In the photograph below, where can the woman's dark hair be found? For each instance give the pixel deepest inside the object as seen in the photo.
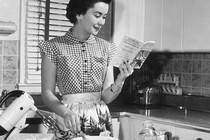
(78, 7)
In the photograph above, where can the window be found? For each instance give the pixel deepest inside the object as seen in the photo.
(40, 20)
(43, 20)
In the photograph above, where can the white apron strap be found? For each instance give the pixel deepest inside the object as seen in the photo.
(82, 97)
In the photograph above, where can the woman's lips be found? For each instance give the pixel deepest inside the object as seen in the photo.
(96, 28)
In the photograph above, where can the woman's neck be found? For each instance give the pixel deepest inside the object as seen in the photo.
(80, 34)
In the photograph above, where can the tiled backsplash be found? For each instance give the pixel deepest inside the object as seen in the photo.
(193, 70)
(9, 64)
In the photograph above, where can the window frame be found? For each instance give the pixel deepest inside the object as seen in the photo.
(24, 84)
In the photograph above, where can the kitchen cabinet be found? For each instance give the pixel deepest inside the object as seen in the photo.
(131, 125)
(172, 25)
(185, 26)
(163, 24)
(116, 125)
(128, 19)
(125, 132)
(153, 22)
(196, 25)
(189, 134)
(175, 25)
(137, 126)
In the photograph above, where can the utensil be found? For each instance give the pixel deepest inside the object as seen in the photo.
(50, 123)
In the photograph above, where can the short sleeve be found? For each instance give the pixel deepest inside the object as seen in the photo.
(112, 50)
(49, 49)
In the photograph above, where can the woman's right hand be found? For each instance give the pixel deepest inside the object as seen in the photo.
(72, 122)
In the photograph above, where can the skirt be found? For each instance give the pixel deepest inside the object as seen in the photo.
(94, 115)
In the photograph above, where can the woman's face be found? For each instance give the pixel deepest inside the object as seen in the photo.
(94, 19)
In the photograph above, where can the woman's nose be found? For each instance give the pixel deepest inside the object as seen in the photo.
(101, 21)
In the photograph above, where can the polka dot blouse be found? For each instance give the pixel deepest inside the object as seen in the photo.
(80, 66)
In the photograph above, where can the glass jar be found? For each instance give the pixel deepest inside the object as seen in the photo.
(148, 132)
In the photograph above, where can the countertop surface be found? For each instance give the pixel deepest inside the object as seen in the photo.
(188, 118)
(171, 115)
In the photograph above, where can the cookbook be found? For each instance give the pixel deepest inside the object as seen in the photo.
(133, 50)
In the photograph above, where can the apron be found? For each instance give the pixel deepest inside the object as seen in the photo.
(94, 115)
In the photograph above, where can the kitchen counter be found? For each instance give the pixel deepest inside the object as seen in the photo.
(171, 115)
(175, 116)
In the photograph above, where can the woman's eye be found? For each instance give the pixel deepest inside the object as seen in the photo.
(97, 15)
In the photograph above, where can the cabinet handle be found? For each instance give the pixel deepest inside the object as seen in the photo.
(199, 139)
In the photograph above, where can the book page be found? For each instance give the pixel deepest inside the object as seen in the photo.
(142, 55)
(133, 50)
(126, 50)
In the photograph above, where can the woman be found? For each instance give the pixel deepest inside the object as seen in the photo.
(78, 63)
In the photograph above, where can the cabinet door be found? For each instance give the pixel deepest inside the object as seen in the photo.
(196, 25)
(153, 22)
(163, 24)
(188, 134)
(172, 25)
(137, 126)
(116, 127)
(128, 19)
(126, 129)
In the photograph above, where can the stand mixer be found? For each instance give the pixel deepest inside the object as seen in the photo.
(12, 120)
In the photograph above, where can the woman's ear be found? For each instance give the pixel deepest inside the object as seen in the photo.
(79, 16)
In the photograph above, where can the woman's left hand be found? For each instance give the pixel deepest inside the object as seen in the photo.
(125, 70)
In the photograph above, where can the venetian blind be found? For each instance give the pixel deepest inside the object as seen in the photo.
(45, 19)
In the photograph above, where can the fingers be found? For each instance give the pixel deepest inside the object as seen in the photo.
(126, 69)
(72, 122)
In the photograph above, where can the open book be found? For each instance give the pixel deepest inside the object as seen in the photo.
(133, 50)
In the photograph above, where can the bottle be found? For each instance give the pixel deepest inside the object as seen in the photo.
(148, 132)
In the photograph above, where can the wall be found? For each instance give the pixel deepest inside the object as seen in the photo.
(9, 68)
(9, 46)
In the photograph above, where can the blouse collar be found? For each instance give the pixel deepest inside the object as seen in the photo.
(74, 40)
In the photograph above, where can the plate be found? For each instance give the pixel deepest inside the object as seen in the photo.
(96, 138)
